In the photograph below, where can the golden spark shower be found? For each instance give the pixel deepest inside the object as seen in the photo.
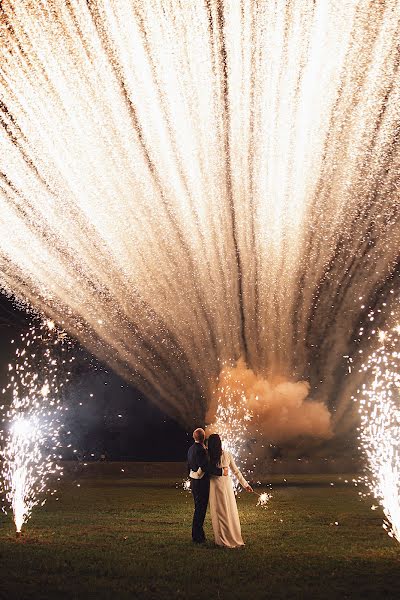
(202, 191)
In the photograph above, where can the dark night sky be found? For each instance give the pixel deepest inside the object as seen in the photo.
(142, 432)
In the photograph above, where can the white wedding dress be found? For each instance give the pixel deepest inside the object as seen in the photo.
(224, 512)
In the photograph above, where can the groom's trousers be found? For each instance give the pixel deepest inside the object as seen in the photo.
(201, 491)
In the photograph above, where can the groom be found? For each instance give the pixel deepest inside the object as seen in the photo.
(199, 472)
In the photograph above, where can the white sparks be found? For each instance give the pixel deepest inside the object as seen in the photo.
(45, 390)
(379, 407)
(186, 485)
(263, 499)
(382, 336)
(184, 183)
(30, 439)
(231, 420)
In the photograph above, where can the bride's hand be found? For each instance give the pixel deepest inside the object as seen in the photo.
(225, 471)
(248, 488)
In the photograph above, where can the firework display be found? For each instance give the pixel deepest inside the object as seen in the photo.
(203, 182)
(30, 434)
(379, 433)
(205, 195)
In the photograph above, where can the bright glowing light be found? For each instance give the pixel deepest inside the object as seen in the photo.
(30, 439)
(231, 417)
(263, 499)
(231, 420)
(231, 424)
(379, 407)
(45, 390)
(382, 336)
(187, 183)
(22, 427)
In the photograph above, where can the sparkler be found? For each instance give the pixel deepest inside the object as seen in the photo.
(30, 439)
(186, 485)
(379, 407)
(263, 498)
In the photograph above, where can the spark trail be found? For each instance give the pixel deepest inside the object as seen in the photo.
(188, 184)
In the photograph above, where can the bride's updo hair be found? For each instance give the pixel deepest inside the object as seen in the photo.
(214, 448)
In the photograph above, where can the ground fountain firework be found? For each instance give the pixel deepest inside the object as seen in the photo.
(30, 436)
(379, 407)
(203, 182)
(232, 417)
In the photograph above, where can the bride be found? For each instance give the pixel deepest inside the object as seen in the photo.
(224, 512)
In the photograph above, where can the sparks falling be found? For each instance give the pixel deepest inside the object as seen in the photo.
(188, 183)
(379, 407)
(232, 417)
(30, 438)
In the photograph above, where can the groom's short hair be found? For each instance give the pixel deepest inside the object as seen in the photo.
(199, 435)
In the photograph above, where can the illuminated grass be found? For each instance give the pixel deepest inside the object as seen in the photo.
(123, 538)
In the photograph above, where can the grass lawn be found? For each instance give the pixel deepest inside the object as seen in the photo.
(123, 537)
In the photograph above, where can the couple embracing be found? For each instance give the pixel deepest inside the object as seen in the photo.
(210, 480)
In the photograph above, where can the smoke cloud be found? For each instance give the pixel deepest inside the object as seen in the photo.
(273, 407)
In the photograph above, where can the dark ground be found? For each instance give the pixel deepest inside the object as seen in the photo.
(127, 535)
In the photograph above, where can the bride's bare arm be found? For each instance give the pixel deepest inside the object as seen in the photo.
(238, 474)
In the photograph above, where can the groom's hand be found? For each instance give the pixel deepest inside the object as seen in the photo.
(225, 471)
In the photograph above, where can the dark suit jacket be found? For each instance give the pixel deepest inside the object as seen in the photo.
(198, 457)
